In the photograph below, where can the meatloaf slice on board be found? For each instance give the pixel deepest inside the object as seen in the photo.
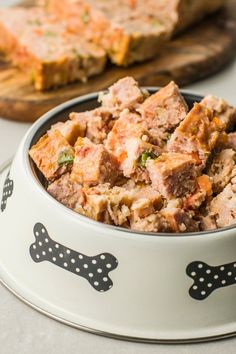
(50, 55)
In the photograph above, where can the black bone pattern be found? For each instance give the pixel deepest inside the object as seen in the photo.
(94, 269)
(7, 191)
(207, 278)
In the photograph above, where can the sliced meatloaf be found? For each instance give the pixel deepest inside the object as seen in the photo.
(127, 36)
(43, 48)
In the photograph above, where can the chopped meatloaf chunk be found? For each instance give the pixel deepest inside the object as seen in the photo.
(46, 50)
(222, 110)
(127, 37)
(223, 206)
(93, 164)
(106, 204)
(198, 133)
(222, 169)
(207, 223)
(173, 175)
(231, 141)
(162, 112)
(65, 191)
(201, 193)
(53, 155)
(70, 129)
(179, 220)
(125, 93)
(128, 140)
(97, 123)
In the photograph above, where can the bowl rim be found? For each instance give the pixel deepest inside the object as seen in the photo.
(35, 128)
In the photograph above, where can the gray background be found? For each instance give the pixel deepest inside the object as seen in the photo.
(25, 331)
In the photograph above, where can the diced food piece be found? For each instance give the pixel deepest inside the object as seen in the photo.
(71, 130)
(106, 204)
(202, 192)
(231, 141)
(93, 164)
(173, 174)
(125, 93)
(198, 133)
(128, 141)
(46, 50)
(222, 110)
(151, 223)
(179, 220)
(223, 206)
(97, 123)
(222, 169)
(207, 223)
(162, 112)
(65, 191)
(53, 155)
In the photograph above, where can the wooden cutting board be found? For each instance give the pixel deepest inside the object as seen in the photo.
(199, 52)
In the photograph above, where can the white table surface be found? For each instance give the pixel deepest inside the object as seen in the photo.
(25, 331)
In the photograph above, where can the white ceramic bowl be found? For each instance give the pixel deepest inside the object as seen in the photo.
(110, 280)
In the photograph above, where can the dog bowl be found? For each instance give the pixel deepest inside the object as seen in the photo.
(105, 279)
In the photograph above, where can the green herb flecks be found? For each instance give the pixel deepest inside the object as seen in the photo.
(50, 34)
(85, 17)
(65, 158)
(35, 22)
(145, 156)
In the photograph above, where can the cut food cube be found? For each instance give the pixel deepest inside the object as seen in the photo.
(222, 169)
(223, 207)
(202, 192)
(97, 123)
(53, 155)
(125, 93)
(162, 112)
(71, 130)
(173, 174)
(46, 50)
(65, 191)
(93, 164)
(179, 220)
(197, 134)
(222, 110)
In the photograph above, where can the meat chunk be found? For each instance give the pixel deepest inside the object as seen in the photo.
(125, 93)
(202, 192)
(223, 206)
(93, 164)
(198, 133)
(179, 220)
(162, 112)
(128, 140)
(207, 223)
(231, 141)
(173, 174)
(53, 155)
(71, 130)
(222, 110)
(65, 191)
(222, 169)
(42, 47)
(97, 123)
